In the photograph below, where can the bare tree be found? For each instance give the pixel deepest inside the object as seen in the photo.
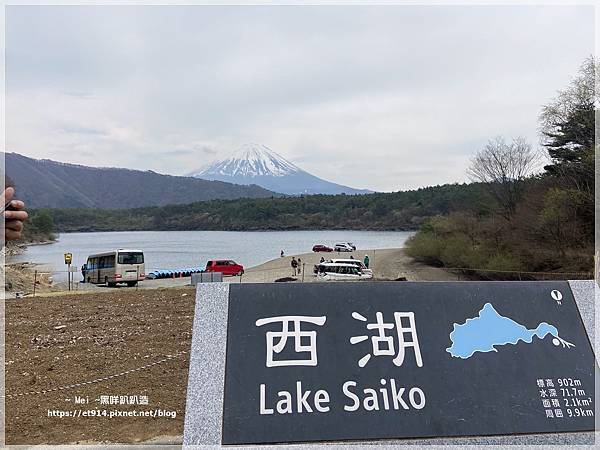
(502, 167)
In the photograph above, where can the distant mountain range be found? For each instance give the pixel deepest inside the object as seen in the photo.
(258, 164)
(50, 184)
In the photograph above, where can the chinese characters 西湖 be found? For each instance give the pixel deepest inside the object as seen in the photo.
(295, 332)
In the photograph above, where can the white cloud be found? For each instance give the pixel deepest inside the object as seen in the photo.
(386, 98)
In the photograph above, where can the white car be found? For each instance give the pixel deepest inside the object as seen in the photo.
(343, 247)
(366, 272)
(340, 271)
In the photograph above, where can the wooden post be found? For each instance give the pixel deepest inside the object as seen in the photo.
(34, 282)
(303, 270)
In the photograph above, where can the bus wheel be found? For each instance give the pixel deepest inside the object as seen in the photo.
(131, 283)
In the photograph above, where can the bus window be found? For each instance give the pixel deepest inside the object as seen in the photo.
(107, 262)
(131, 258)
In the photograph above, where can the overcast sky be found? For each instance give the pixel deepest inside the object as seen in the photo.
(386, 98)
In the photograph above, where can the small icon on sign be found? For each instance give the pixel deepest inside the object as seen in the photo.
(556, 295)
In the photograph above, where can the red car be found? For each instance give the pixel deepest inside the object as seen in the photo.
(225, 266)
(322, 248)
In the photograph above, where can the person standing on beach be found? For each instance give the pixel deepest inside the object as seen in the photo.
(366, 261)
(294, 265)
(299, 266)
(282, 254)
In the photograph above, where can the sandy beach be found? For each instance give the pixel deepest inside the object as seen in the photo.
(387, 264)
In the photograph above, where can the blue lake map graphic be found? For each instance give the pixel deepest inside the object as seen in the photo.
(489, 329)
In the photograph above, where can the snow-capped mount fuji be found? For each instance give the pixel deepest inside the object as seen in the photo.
(253, 160)
(258, 164)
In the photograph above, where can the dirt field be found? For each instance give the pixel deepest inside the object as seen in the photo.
(58, 341)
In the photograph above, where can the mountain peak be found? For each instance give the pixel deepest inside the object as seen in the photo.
(258, 164)
(251, 160)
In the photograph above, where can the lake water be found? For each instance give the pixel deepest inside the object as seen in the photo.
(180, 249)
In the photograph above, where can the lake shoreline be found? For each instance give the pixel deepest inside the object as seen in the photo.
(389, 264)
(192, 249)
(243, 230)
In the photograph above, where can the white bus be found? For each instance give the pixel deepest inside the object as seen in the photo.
(117, 266)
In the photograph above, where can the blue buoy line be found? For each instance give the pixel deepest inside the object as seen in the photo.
(170, 273)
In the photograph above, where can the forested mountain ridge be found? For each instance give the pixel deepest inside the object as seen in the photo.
(50, 184)
(379, 211)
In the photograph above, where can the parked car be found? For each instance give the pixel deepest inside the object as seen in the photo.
(322, 248)
(343, 247)
(340, 271)
(358, 263)
(225, 266)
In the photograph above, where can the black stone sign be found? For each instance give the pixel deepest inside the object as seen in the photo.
(364, 361)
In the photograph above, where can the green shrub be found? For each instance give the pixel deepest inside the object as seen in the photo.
(458, 252)
(454, 253)
(425, 247)
(503, 262)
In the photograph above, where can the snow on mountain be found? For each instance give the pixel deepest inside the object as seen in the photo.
(258, 164)
(252, 160)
